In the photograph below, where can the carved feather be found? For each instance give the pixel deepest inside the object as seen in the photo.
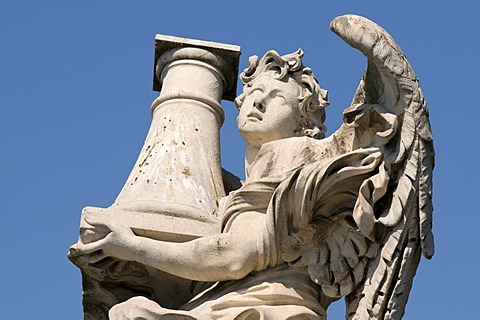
(402, 220)
(425, 198)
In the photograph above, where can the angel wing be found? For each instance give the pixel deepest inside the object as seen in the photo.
(365, 213)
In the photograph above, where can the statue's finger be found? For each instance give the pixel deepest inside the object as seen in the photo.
(73, 251)
(95, 221)
(83, 249)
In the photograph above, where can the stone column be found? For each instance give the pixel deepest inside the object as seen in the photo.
(178, 172)
(173, 190)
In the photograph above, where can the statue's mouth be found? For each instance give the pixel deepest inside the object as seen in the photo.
(254, 116)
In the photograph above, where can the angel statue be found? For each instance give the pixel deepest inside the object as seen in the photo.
(316, 219)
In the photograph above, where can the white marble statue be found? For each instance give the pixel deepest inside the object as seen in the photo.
(316, 219)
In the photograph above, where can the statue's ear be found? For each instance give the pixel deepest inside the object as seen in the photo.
(308, 127)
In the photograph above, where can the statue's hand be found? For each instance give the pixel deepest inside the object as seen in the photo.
(119, 241)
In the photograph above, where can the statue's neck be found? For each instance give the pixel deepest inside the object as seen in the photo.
(250, 155)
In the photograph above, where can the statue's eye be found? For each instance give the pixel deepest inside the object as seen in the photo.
(255, 91)
(280, 98)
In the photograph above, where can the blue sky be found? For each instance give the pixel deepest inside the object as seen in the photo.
(75, 92)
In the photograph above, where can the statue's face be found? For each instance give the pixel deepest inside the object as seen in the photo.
(269, 111)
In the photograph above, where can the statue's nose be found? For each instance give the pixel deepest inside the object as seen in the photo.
(259, 105)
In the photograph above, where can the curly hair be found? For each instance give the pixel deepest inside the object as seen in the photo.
(312, 99)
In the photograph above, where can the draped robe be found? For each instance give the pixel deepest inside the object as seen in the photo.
(287, 183)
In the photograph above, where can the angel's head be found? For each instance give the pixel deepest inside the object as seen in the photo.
(281, 99)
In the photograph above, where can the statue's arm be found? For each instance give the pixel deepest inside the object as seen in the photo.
(225, 256)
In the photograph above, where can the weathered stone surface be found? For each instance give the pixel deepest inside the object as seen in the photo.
(173, 190)
(316, 218)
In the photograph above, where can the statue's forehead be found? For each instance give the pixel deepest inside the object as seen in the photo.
(269, 81)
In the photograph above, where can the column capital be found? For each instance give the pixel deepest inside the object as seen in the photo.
(225, 57)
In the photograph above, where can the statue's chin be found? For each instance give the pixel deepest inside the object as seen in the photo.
(249, 133)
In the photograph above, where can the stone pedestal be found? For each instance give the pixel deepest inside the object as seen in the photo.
(173, 190)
